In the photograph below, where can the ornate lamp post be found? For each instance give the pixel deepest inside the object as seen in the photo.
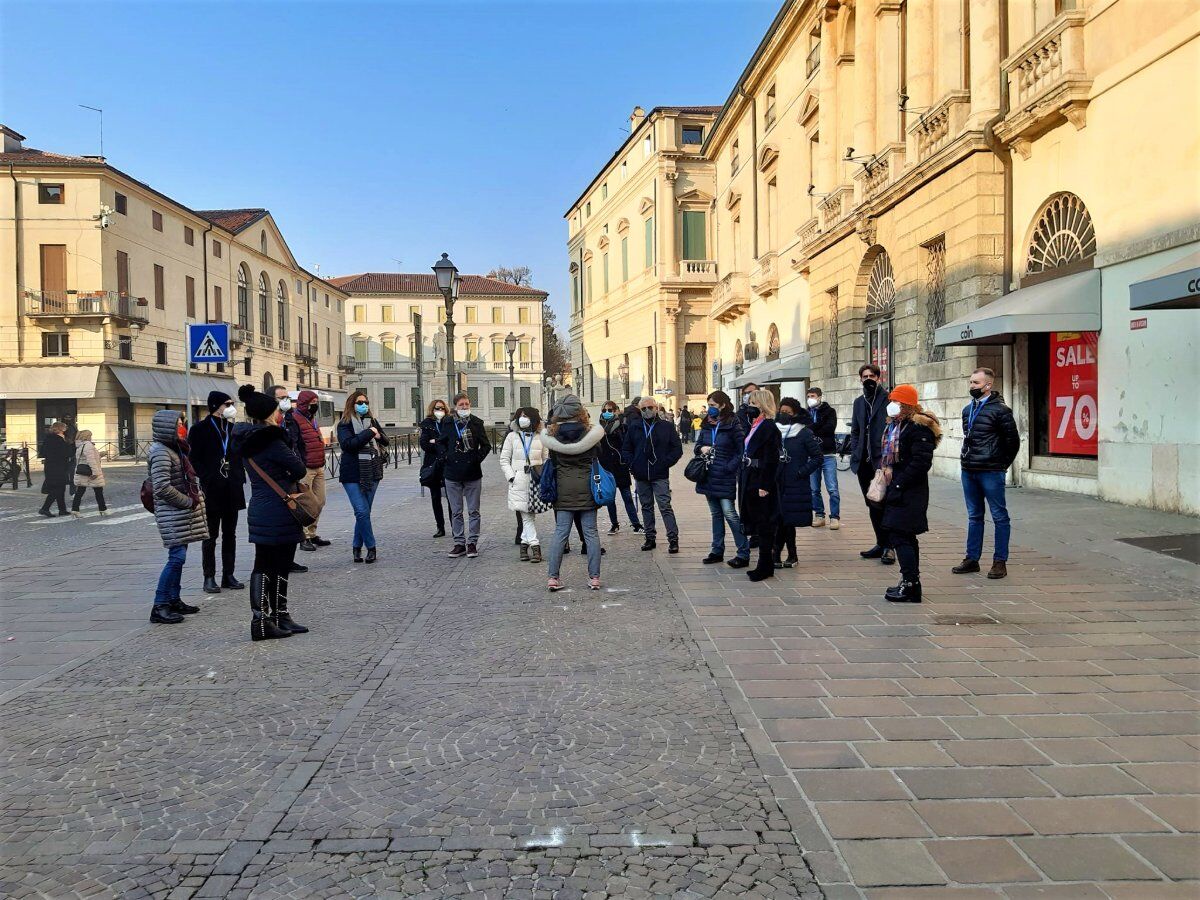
(623, 372)
(448, 281)
(510, 344)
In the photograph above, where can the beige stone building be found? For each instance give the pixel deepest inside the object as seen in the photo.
(402, 374)
(99, 272)
(639, 241)
(888, 170)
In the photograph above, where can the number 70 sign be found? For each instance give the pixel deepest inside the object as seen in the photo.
(1074, 414)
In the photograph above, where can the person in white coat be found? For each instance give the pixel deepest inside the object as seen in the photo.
(522, 455)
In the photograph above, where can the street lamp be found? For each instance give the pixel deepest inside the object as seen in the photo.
(623, 371)
(448, 282)
(510, 344)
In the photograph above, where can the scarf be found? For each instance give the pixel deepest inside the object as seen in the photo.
(360, 425)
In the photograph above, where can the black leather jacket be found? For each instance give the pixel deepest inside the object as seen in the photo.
(993, 441)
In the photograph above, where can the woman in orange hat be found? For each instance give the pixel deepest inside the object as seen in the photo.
(909, 440)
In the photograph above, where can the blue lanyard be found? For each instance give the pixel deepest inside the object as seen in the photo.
(224, 436)
(974, 413)
(716, 431)
(527, 443)
(649, 429)
(461, 431)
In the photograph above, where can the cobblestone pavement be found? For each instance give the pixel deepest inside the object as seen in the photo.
(448, 729)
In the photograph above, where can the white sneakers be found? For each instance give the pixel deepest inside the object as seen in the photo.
(835, 524)
(818, 522)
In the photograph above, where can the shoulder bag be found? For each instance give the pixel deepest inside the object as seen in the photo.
(537, 506)
(604, 486)
(697, 469)
(303, 504)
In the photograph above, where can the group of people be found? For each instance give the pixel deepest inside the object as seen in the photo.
(70, 461)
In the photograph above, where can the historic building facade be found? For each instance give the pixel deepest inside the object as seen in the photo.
(402, 369)
(639, 242)
(98, 274)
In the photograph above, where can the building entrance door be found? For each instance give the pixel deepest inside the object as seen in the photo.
(126, 428)
(879, 348)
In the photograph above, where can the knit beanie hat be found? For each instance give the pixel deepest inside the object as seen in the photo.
(258, 405)
(906, 394)
(567, 408)
(217, 399)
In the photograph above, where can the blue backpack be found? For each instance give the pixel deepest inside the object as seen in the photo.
(604, 486)
(548, 483)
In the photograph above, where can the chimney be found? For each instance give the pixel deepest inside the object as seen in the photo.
(12, 140)
(636, 118)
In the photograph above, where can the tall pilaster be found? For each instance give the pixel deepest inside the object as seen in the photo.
(919, 53)
(887, 72)
(864, 78)
(985, 61)
(827, 114)
(668, 262)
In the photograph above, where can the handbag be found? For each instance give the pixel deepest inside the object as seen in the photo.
(697, 469)
(147, 495)
(303, 504)
(535, 503)
(431, 473)
(604, 486)
(877, 489)
(84, 469)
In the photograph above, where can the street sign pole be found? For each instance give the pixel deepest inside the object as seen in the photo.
(187, 375)
(418, 361)
(212, 347)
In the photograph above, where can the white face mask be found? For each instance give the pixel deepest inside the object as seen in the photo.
(813, 402)
(523, 423)
(229, 412)
(285, 404)
(439, 413)
(464, 413)
(893, 409)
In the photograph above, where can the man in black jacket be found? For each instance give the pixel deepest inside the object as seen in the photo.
(743, 410)
(463, 445)
(823, 424)
(990, 444)
(651, 447)
(222, 476)
(866, 447)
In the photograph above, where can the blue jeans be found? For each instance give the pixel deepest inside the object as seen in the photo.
(630, 509)
(829, 470)
(169, 582)
(361, 499)
(563, 520)
(723, 511)
(989, 486)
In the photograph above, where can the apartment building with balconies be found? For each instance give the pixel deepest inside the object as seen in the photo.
(99, 272)
(396, 343)
(640, 247)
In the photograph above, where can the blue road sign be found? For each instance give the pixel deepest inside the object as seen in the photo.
(208, 343)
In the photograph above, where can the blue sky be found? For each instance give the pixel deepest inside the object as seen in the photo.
(374, 132)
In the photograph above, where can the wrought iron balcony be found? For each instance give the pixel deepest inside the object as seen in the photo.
(306, 353)
(86, 304)
(347, 363)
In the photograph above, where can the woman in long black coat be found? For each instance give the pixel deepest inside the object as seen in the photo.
(610, 459)
(758, 489)
(430, 432)
(56, 469)
(801, 455)
(911, 436)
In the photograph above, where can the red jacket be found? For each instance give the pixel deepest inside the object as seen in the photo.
(313, 451)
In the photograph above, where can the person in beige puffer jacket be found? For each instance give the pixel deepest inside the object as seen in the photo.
(86, 454)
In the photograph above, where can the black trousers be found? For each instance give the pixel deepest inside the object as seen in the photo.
(225, 521)
(439, 512)
(766, 548)
(908, 553)
(786, 537)
(56, 495)
(866, 472)
(274, 559)
(80, 490)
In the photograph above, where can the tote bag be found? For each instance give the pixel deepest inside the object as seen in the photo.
(604, 486)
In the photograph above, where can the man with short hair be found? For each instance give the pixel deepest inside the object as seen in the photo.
(463, 445)
(823, 424)
(867, 421)
(685, 424)
(651, 447)
(990, 444)
(743, 410)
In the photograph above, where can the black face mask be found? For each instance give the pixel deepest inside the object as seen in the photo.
(753, 411)
(976, 393)
(869, 388)
(784, 418)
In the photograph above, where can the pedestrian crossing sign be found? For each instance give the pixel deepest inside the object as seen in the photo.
(208, 343)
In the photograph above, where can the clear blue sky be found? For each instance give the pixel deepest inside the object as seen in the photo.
(373, 132)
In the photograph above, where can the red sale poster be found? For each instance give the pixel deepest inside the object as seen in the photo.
(1074, 416)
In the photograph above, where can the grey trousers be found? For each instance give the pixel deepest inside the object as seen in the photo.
(649, 493)
(456, 493)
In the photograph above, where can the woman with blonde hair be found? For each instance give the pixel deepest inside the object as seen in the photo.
(572, 443)
(88, 473)
(430, 428)
(909, 439)
(757, 489)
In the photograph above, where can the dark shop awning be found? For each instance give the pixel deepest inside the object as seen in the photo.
(1070, 303)
(1175, 287)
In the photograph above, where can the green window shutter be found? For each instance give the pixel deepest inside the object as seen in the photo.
(649, 242)
(693, 235)
(624, 259)
(587, 297)
(605, 262)
(498, 396)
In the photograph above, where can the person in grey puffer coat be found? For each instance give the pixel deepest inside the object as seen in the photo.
(178, 512)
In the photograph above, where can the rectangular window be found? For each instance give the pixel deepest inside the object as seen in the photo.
(695, 365)
(523, 315)
(526, 396)
(604, 191)
(587, 208)
(591, 382)
(360, 313)
(693, 235)
(524, 352)
(734, 159)
(497, 351)
(575, 292)
(624, 170)
(54, 273)
(497, 315)
(246, 366)
(389, 398)
(648, 145)
(122, 203)
(217, 249)
(386, 314)
(125, 346)
(498, 394)
(441, 315)
(472, 351)
(473, 395)
(56, 344)
(769, 110)
(285, 374)
(189, 293)
(649, 242)
(161, 348)
(122, 273)
(624, 260)
(413, 312)
(160, 290)
(693, 134)
(414, 400)
(156, 220)
(360, 351)
(218, 307)
(189, 236)
(604, 263)
(50, 193)
(327, 303)
(587, 286)
(472, 315)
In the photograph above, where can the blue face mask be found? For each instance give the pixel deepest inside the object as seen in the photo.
(713, 412)
(606, 415)
(361, 408)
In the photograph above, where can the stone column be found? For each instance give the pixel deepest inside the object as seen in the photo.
(670, 353)
(985, 61)
(668, 262)
(864, 78)
(949, 45)
(887, 77)
(919, 53)
(827, 165)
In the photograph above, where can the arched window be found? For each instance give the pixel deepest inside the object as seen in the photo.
(268, 381)
(281, 309)
(1062, 235)
(881, 307)
(264, 308)
(243, 297)
(773, 342)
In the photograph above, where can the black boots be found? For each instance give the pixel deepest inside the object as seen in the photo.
(358, 554)
(232, 583)
(905, 592)
(162, 614)
(371, 555)
(210, 585)
(262, 624)
(649, 544)
(874, 553)
(279, 603)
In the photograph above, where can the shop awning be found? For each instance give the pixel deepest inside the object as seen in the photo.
(1070, 303)
(157, 386)
(48, 382)
(1176, 286)
(772, 371)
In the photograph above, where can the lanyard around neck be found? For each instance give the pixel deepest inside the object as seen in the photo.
(224, 436)
(648, 428)
(974, 413)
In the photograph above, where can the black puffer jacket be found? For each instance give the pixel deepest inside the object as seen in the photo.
(906, 504)
(993, 441)
(800, 456)
(823, 423)
(269, 519)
